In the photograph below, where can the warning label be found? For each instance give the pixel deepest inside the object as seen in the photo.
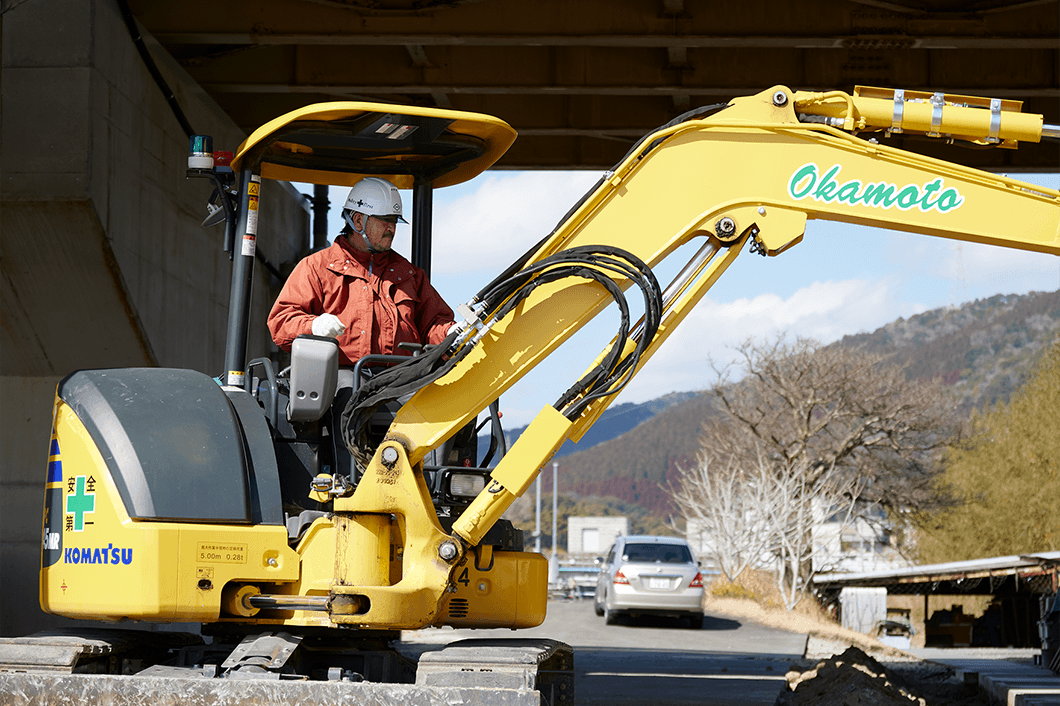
(210, 553)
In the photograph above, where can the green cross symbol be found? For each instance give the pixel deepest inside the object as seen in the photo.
(80, 503)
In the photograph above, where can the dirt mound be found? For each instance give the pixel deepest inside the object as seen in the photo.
(855, 679)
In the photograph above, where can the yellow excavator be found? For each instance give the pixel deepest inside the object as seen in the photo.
(303, 534)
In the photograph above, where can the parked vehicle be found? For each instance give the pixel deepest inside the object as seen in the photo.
(650, 576)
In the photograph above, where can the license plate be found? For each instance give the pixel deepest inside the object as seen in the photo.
(658, 583)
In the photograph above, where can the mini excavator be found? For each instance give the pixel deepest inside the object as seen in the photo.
(303, 534)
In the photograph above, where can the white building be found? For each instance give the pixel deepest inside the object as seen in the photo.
(857, 546)
(594, 535)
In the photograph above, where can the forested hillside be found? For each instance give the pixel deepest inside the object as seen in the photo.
(633, 466)
(615, 421)
(983, 349)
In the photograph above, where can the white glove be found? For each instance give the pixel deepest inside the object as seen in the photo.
(328, 325)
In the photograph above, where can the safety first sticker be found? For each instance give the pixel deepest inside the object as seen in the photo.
(80, 502)
(70, 506)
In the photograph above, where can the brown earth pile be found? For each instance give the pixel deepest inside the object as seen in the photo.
(855, 679)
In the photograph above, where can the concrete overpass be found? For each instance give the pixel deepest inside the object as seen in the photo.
(581, 80)
(105, 264)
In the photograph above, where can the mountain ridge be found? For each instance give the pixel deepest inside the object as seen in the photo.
(984, 350)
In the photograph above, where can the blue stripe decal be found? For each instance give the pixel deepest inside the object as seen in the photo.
(55, 448)
(55, 471)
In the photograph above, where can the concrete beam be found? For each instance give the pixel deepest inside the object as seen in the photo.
(1015, 41)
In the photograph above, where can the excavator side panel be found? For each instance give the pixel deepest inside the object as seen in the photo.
(497, 590)
(100, 563)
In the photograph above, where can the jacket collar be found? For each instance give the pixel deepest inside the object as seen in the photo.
(344, 252)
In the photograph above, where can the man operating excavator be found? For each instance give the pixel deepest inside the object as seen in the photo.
(359, 291)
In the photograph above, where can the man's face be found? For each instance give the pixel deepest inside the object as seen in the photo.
(378, 229)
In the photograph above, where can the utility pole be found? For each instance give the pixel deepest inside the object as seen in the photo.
(553, 568)
(537, 522)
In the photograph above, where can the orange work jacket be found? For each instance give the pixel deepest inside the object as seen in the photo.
(382, 298)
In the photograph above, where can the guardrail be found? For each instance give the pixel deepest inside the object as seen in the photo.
(574, 581)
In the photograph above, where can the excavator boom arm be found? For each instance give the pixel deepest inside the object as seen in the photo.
(751, 171)
(749, 175)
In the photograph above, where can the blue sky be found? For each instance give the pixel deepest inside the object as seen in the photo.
(841, 279)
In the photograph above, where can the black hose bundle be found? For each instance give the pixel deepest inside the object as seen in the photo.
(391, 384)
(595, 263)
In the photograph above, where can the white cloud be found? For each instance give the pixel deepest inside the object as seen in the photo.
(941, 272)
(486, 229)
(1000, 269)
(826, 311)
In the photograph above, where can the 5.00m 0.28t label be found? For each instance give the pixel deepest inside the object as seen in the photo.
(210, 553)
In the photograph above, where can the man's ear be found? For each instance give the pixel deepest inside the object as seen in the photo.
(358, 220)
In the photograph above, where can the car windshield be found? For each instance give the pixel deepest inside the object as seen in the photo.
(658, 553)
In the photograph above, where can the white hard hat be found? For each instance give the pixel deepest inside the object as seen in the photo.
(373, 196)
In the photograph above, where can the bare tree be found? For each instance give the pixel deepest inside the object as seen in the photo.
(809, 431)
(794, 511)
(723, 500)
(758, 514)
(834, 410)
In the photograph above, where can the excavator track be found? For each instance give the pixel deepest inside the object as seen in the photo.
(114, 667)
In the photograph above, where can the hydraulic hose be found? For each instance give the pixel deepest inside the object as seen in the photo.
(600, 264)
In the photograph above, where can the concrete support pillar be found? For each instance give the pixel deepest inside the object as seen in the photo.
(104, 260)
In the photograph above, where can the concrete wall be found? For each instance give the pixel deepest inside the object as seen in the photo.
(104, 263)
(862, 608)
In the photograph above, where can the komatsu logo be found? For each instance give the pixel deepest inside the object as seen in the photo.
(807, 182)
(109, 554)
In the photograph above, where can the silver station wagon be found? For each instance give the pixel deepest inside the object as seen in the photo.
(650, 576)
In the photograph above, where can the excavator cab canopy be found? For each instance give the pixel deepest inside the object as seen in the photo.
(339, 143)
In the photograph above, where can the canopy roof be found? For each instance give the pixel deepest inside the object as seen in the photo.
(340, 143)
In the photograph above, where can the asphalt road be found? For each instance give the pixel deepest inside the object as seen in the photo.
(658, 662)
